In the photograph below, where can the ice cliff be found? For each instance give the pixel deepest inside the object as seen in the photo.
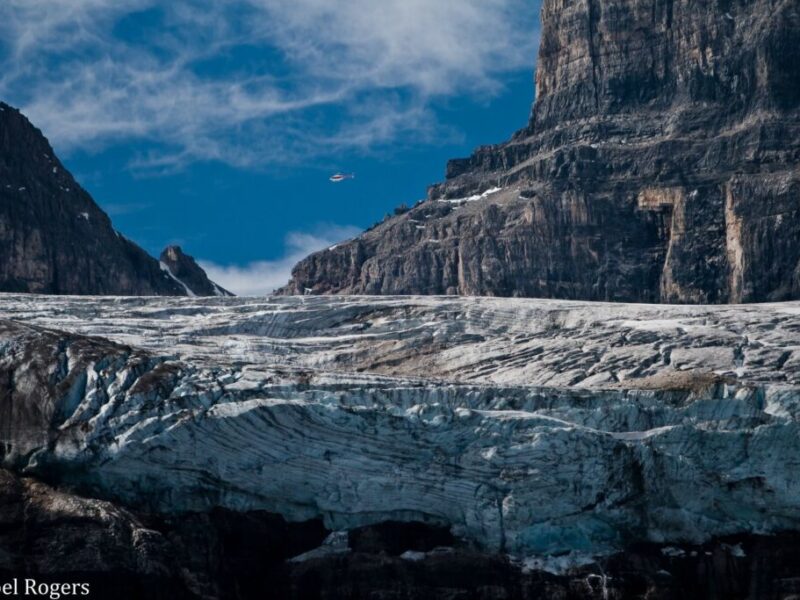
(529, 427)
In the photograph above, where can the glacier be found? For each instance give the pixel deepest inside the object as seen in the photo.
(528, 427)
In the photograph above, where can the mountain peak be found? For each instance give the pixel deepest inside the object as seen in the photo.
(185, 270)
(54, 239)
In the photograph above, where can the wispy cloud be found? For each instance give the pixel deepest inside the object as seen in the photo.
(263, 277)
(252, 82)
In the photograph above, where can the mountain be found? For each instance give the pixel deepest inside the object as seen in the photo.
(185, 270)
(661, 163)
(54, 239)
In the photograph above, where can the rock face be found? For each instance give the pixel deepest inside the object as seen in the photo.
(54, 239)
(661, 163)
(188, 273)
(57, 538)
(755, 567)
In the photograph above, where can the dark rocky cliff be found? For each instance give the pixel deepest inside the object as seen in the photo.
(661, 163)
(54, 239)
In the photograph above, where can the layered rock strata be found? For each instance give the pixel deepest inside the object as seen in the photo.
(661, 163)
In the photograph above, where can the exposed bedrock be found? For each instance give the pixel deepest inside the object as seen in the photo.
(682, 444)
(661, 163)
(56, 537)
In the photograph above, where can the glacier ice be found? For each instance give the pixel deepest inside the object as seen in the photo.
(532, 427)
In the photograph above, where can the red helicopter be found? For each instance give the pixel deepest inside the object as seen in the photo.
(339, 177)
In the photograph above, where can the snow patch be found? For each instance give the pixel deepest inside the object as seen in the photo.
(633, 436)
(474, 198)
(166, 270)
(557, 565)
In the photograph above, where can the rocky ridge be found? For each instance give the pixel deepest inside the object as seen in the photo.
(661, 163)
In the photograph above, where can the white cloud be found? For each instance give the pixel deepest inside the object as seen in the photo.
(301, 78)
(263, 277)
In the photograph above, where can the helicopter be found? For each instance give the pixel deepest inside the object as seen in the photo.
(339, 177)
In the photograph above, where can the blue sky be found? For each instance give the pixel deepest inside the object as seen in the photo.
(216, 125)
